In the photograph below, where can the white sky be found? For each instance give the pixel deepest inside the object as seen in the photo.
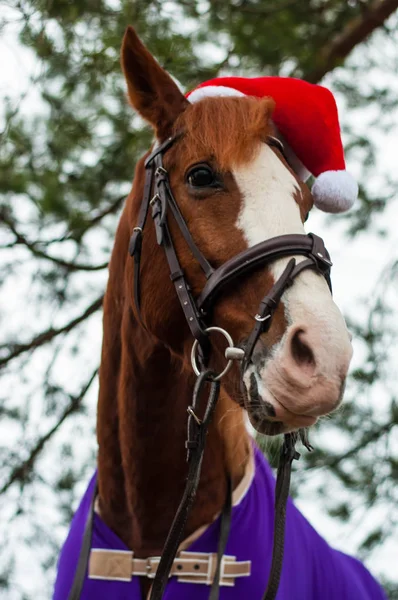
(357, 268)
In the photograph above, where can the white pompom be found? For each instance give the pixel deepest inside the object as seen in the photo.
(335, 191)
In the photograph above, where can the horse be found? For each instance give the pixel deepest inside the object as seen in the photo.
(234, 189)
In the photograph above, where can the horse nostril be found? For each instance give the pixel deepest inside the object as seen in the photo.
(301, 351)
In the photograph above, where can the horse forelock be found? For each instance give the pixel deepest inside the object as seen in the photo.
(229, 129)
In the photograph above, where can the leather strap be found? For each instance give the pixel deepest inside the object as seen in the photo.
(287, 455)
(81, 568)
(188, 305)
(225, 527)
(266, 310)
(156, 176)
(196, 439)
(143, 212)
(175, 209)
(135, 245)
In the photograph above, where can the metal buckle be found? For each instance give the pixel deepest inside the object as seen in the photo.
(276, 142)
(154, 199)
(161, 171)
(321, 257)
(261, 319)
(191, 412)
(150, 567)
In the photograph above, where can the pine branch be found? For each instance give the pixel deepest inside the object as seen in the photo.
(68, 235)
(332, 461)
(21, 472)
(259, 9)
(9, 245)
(33, 247)
(356, 31)
(99, 216)
(50, 334)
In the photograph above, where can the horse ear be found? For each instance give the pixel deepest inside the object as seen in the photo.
(151, 90)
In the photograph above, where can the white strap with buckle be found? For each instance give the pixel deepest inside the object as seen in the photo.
(188, 567)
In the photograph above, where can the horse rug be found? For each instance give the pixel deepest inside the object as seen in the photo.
(312, 570)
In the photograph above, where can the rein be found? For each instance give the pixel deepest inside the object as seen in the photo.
(159, 197)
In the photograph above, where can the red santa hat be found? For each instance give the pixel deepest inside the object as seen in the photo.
(306, 117)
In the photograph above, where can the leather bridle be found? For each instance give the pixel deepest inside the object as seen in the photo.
(158, 197)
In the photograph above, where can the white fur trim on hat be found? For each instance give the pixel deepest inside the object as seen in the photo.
(212, 91)
(335, 191)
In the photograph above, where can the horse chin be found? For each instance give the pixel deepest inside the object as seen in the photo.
(263, 409)
(263, 424)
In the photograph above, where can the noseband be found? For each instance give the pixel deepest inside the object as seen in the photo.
(159, 197)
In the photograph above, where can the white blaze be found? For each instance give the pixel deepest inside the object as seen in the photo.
(269, 209)
(267, 188)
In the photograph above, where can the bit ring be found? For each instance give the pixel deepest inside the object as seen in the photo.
(195, 347)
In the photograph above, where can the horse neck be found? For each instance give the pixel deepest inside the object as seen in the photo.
(141, 428)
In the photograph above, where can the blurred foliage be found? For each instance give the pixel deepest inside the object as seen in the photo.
(68, 148)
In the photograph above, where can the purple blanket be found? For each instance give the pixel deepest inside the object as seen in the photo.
(312, 570)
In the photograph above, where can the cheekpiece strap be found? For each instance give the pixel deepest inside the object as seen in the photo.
(267, 308)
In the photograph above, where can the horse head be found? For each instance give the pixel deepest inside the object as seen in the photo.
(235, 188)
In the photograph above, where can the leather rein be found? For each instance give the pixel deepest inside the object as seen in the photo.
(158, 197)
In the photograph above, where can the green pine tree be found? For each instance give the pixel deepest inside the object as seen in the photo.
(68, 149)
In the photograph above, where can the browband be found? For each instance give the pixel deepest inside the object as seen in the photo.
(243, 263)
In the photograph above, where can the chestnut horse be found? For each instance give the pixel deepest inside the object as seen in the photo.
(234, 189)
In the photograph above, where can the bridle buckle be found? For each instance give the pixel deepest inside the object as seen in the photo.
(160, 171)
(191, 412)
(261, 319)
(155, 199)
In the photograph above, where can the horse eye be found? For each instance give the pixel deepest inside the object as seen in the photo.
(202, 176)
